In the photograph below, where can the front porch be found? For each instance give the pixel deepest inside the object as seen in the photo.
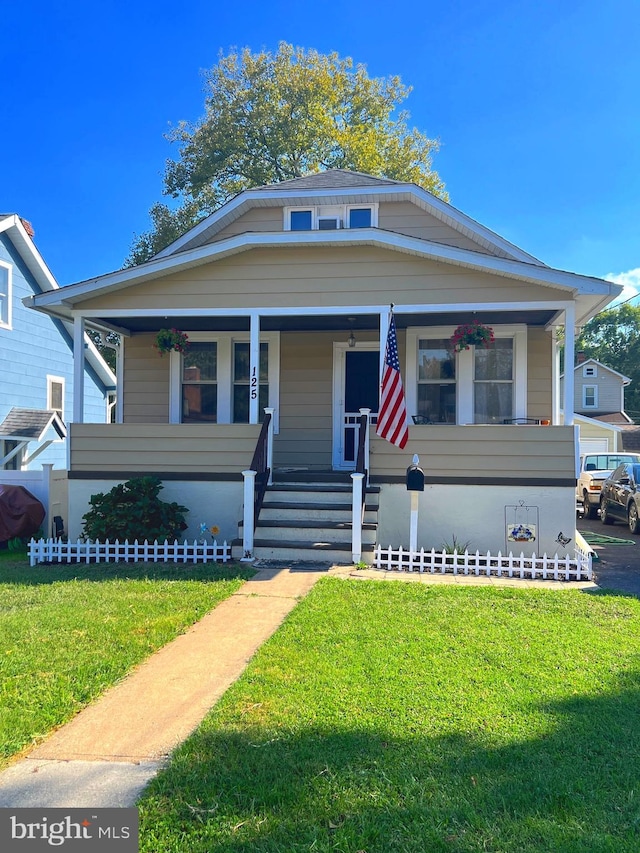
(476, 478)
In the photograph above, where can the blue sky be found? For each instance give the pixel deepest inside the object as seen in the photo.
(536, 105)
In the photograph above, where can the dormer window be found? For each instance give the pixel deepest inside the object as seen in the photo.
(300, 220)
(360, 217)
(330, 217)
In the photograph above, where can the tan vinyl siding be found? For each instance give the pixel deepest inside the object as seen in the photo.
(145, 382)
(306, 376)
(539, 369)
(173, 448)
(258, 219)
(307, 277)
(408, 219)
(512, 452)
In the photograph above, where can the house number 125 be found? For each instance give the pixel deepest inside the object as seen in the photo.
(254, 385)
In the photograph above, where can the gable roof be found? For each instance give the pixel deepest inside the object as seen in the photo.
(341, 186)
(13, 226)
(625, 379)
(31, 424)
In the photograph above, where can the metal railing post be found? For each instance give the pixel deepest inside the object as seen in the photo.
(248, 519)
(356, 517)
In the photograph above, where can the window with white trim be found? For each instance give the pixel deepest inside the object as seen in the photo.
(589, 370)
(5, 295)
(590, 396)
(211, 382)
(493, 382)
(330, 217)
(473, 386)
(55, 395)
(436, 381)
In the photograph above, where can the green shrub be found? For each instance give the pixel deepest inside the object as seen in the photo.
(133, 510)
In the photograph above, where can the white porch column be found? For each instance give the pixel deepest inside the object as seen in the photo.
(569, 361)
(78, 370)
(555, 379)
(367, 442)
(248, 520)
(254, 370)
(384, 331)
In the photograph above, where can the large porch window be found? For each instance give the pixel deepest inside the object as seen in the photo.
(211, 382)
(436, 381)
(475, 386)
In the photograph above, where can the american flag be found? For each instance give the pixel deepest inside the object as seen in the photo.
(392, 417)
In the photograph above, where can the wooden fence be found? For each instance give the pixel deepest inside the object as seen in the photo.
(568, 568)
(59, 551)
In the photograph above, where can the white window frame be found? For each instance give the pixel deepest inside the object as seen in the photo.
(6, 271)
(465, 369)
(593, 405)
(59, 380)
(339, 212)
(590, 371)
(225, 342)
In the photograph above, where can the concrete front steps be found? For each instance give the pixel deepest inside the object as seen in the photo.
(311, 522)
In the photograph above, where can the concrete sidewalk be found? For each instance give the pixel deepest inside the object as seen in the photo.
(108, 753)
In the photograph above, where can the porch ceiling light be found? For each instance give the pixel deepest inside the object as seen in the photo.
(351, 340)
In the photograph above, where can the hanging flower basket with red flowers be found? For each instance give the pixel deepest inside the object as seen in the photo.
(171, 339)
(471, 334)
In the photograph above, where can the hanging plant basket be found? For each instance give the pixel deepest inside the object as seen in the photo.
(471, 334)
(171, 339)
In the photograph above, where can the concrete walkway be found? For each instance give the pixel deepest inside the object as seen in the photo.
(108, 753)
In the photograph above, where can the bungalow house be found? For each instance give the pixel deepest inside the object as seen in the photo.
(285, 295)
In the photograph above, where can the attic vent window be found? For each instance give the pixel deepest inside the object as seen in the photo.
(590, 370)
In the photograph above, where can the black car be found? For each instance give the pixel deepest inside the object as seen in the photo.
(620, 497)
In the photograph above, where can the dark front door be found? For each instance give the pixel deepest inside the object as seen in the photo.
(361, 391)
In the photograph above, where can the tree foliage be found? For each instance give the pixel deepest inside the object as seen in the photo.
(270, 117)
(613, 338)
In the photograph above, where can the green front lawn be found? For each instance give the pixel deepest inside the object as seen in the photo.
(400, 717)
(69, 632)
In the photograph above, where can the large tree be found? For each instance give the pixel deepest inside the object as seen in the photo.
(613, 338)
(270, 117)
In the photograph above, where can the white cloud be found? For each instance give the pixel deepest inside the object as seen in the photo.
(630, 281)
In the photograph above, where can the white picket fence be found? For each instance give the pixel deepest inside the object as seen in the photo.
(58, 551)
(568, 568)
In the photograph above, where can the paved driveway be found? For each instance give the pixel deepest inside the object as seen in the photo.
(618, 565)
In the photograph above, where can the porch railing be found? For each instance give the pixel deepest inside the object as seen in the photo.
(256, 480)
(360, 478)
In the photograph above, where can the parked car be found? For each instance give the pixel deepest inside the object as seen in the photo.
(594, 470)
(620, 496)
